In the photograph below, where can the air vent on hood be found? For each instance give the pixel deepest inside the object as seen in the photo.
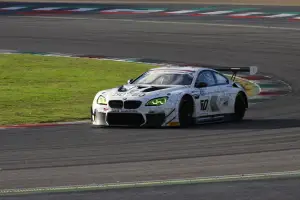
(151, 89)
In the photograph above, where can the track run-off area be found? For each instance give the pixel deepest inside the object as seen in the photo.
(268, 141)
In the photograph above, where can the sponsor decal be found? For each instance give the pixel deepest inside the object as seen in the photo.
(213, 104)
(224, 100)
(119, 94)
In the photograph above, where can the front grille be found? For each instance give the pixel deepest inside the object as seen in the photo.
(132, 104)
(129, 119)
(115, 104)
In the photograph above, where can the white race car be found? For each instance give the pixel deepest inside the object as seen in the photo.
(173, 96)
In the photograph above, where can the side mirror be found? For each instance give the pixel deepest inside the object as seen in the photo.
(129, 81)
(201, 85)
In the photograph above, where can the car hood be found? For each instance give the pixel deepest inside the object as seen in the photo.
(137, 91)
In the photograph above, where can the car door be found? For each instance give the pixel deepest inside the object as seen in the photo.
(206, 104)
(224, 98)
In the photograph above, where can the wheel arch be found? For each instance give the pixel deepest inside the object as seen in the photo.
(243, 94)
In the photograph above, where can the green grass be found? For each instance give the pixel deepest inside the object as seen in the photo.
(38, 89)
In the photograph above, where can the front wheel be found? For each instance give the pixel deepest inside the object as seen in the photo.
(186, 112)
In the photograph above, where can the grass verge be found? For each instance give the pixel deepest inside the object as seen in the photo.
(37, 89)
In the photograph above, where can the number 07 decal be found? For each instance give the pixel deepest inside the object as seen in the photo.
(204, 104)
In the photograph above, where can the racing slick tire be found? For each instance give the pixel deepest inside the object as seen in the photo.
(185, 113)
(240, 107)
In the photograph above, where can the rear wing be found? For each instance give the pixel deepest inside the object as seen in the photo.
(252, 70)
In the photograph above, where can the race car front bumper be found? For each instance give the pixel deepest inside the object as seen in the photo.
(139, 119)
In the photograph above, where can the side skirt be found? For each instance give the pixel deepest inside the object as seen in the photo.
(213, 118)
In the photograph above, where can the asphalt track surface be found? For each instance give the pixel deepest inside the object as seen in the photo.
(268, 140)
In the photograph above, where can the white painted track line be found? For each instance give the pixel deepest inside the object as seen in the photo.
(154, 183)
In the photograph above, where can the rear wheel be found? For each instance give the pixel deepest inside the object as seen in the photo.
(186, 112)
(240, 107)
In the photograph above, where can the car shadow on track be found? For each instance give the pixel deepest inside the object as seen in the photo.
(252, 124)
(257, 124)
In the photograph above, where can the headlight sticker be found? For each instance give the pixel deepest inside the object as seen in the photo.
(101, 100)
(157, 101)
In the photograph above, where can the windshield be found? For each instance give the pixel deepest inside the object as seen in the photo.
(165, 78)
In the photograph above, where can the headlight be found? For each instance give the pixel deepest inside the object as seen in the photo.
(157, 101)
(101, 100)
